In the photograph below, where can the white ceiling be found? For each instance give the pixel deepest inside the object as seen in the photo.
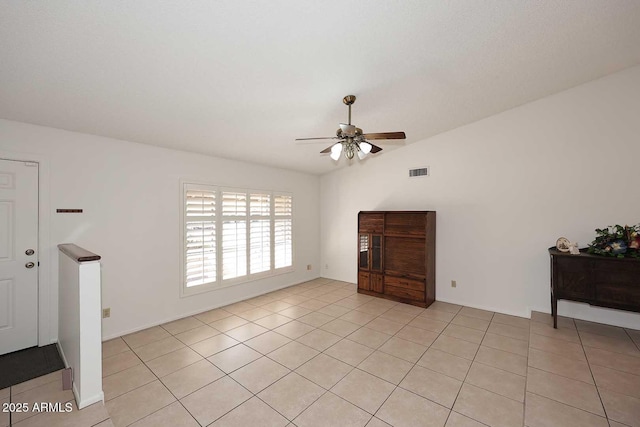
(243, 79)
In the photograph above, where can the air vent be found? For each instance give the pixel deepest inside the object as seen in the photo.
(413, 173)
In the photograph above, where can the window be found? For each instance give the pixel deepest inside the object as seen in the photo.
(234, 235)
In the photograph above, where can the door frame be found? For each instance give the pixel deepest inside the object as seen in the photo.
(47, 304)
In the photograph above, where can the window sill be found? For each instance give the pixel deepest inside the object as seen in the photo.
(200, 289)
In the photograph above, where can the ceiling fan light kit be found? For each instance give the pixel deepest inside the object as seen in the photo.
(351, 140)
(335, 151)
(365, 147)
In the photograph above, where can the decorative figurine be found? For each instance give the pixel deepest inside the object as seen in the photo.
(562, 244)
(573, 249)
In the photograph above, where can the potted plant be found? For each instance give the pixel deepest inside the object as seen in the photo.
(617, 241)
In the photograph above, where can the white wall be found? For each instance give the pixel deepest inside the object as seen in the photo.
(505, 188)
(131, 199)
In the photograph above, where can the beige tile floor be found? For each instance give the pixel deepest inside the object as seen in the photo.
(319, 354)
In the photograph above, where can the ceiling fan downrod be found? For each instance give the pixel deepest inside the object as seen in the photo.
(349, 100)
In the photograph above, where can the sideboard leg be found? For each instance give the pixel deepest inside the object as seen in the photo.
(554, 311)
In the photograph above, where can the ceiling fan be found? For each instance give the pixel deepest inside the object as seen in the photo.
(351, 140)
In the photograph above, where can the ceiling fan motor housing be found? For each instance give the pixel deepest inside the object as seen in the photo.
(357, 132)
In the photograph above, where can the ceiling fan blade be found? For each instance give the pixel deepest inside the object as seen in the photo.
(375, 148)
(348, 130)
(327, 150)
(312, 139)
(385, 135)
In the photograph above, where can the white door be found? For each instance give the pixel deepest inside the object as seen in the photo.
(18, 255)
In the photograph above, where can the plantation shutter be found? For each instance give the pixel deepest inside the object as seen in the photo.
(282, 230)
(260, 233)
(234, 234)
(200, 236)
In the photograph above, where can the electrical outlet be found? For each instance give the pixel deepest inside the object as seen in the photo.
(106, 312)
(308, 266)
(453, 284)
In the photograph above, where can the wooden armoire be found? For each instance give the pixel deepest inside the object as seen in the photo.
(397, 255)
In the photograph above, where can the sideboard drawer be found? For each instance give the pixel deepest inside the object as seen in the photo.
(401, 282)
(405, 293)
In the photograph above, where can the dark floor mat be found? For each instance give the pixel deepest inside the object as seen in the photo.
(29, 363)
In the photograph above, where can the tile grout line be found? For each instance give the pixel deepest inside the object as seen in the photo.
(284, 416)
(557, 374)
(256, 394)
(637, 344)
(204, 358)
(290, 372)
(200, 388)
(472, 361)
(189, 346)
(160, 381)
(464, 381)
(553, 373)
(604, 409)
(416, 364)
(526, 380)
(11, 396)
(569, 405)
(378, 349)
(590, 371)
(351, 366)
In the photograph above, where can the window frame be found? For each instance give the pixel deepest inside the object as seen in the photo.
(219, 282)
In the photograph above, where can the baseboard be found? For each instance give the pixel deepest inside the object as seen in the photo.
(64, 359)
(526, 314)
(89, 401)
(592, 316)
(183, 315)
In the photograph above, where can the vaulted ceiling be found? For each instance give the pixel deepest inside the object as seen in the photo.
(243, 79)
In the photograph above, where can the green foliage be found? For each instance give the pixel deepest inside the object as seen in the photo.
(617, 241)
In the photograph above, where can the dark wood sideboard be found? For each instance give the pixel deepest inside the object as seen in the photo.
(597, 280)
(397, 255)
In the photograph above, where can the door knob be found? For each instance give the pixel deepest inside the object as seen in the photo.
(29, 265)
(29, 252)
